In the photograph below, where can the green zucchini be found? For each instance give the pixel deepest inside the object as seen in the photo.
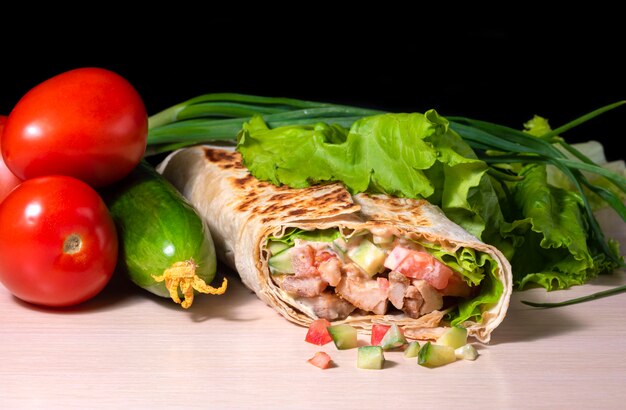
(165, 246)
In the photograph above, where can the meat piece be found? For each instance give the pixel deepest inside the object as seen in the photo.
(433, 299)
(306, 287)
(329, 306)
(412, 302)
(330, 271)
(398, 284)
(303, 261)
(362, 291)
(308, 280)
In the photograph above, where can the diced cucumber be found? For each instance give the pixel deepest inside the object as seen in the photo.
(455, 336)
(370, 357)
(393, 338)
(466, 352)
(412, 349)
(281, 263)
(340, 245)
(433, 355)
(344, 336)
(275, 247)
(368, 256)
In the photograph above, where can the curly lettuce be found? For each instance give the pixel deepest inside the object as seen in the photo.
(539, 227)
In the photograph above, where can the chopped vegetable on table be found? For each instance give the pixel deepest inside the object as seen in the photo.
(393, 338)
(412, 349)
(344, 336)
(378, 332)
(317, 333)
(370, 357)
(321, 360)
(434, 355)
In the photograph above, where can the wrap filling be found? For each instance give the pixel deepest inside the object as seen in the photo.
(380, 271)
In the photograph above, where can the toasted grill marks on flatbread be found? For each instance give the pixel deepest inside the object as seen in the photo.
(243, 182)
(413, 211)
(223, 158)
(243, 212)
(269, 202)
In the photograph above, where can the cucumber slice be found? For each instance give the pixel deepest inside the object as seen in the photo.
(281, 263)
(412, 349)
(393, 338)
(275, 247)
(466, 352)
(344, 336)
(455, 337)
(433, 355)
(370, 357)
(340, 245)
(368, 256)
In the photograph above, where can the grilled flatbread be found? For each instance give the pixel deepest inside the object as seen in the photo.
(362, 268)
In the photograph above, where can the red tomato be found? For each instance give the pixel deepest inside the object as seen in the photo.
(318, 332)
(321, 360)
(378, 332)
(8, 181)
(419, 265)
(89, 123)
(58, 244)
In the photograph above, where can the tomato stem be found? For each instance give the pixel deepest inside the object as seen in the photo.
(72, 244)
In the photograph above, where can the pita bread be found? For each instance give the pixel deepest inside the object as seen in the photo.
(242, 212)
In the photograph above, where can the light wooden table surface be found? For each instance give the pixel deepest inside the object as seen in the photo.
(127, 349)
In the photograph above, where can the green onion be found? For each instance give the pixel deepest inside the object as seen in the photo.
(597, 295)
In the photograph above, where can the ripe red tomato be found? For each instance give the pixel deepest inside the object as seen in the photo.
(58, 244)
(8, 181)
(89, 123)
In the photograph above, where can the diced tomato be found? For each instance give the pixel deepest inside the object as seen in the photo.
(378, 332)
(419, 265)
(321, 360)
(318, 332)
(396, 256)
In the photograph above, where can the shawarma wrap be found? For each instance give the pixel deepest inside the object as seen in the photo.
(320, 252)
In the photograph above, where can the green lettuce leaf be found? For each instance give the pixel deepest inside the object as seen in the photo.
(540, 228)
(406, 155)
(555, 252)
(388, 153)
(477, 269)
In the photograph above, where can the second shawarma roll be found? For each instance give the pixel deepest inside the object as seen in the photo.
(320, 252)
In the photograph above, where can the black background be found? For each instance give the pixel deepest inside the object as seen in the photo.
(503, 67)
